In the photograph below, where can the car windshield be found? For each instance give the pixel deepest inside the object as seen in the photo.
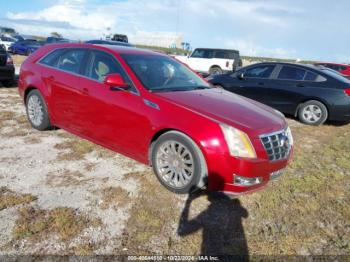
(162, 73)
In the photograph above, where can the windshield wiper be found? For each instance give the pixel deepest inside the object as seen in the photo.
(200, 87)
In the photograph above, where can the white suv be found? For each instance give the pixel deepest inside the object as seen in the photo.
(6, 41)
(212, 61)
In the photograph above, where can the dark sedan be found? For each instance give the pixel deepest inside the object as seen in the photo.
(7, 69)
(311, 93)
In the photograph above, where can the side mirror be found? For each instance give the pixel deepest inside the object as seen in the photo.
(116, 82)
(240, 76)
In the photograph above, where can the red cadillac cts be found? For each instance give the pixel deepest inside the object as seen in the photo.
(154, 109)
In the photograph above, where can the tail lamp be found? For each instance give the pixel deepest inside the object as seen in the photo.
(347, 91)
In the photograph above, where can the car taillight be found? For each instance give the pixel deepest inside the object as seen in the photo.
(9, 61)
(347, 91)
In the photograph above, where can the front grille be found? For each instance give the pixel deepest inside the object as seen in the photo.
(277, 145)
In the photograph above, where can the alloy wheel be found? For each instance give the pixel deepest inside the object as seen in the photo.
(175, 164)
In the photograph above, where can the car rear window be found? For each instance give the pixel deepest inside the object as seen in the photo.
(51, 58)
(335, 75)
(71, 60)
(310, 76)
(291, 73)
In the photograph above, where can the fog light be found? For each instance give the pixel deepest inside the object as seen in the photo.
(276, 174)
(246, 181)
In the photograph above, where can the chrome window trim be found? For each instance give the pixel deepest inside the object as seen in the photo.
(86, 77)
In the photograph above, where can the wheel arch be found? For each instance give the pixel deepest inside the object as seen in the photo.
(203, 158)
(215, 65)
(27, 91)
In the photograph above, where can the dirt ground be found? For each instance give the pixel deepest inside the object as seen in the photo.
(60, 194)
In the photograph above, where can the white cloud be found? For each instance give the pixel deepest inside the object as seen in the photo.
(286, 28)
(253, 48)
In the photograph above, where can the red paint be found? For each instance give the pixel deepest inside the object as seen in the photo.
(121, 120)
(345, 71)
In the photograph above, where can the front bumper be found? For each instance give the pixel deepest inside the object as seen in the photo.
(223, 169)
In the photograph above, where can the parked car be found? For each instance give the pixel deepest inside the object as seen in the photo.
(341, 68)
(6, 41)
(51, 40)
(25, 47)
(311, 93)
(108, 42)
(7, 69)
(120, 38)
(212, 61)
(154, 109)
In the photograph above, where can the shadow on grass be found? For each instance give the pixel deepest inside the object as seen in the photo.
(221, 225)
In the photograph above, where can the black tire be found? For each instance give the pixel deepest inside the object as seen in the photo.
(219, 86)
(28, 52)
(44, 123)
(215, 70)
(199, 176)
(315, 119)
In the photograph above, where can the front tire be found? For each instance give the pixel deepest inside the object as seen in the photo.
(37, 112)
(215, 70)
(313, 113)
(179, 163)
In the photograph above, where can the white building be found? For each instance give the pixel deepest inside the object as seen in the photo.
(159, 39)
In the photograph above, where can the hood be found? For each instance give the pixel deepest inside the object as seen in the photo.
(222, 106)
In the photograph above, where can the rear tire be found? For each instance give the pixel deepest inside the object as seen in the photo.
(312, 113)
(37, 112)
(215, 70)
(179, 163)
(8, 83)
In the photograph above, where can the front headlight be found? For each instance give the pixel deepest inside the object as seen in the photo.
(290, 136)
(238, 142)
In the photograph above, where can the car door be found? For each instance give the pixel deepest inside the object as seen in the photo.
(199, 59)
(112, 116)
(251, 82)
(289, 87)
(63, 81)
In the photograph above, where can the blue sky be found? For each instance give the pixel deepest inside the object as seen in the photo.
(313, 29)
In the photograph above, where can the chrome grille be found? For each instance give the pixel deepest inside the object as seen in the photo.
(277, 145)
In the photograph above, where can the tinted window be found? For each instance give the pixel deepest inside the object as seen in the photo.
(310, 76)
(291, 73)
(71, 60)
(336, 75)
(52, 58)
(225, 54)
(102, 64)
(263, 71)
(202, 53)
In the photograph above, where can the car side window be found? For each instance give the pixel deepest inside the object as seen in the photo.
(202, 53)
(52, 58)
(291, 73)
(71, 60)
(101, 65)
(263, 71)
(310, 76)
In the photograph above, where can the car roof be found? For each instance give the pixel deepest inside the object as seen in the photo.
(114, 48)
(218, 49)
